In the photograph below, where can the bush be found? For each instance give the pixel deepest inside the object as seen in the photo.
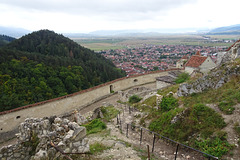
(95, 126)
(183, 77)
(134, 99)
(214, 146)
(32, 143)
(168, 103)
(190, 123)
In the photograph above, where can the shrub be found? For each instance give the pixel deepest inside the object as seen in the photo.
(214, 146)
(168, 103)
(95, 126)
(134, 99)
(197, 120)
(32, 143)
(183, 77)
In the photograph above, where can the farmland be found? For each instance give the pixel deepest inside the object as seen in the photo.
(107, 43)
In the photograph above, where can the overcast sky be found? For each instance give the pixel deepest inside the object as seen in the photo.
(83, 16)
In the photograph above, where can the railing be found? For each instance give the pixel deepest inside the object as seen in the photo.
(138, 133)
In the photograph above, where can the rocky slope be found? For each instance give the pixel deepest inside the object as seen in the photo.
(228, 67)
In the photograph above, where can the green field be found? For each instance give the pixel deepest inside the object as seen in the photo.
(98, 44)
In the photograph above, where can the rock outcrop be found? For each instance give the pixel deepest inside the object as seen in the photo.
(217, 77)
(35, 136)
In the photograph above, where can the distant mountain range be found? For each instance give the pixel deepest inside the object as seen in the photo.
(132, 33)
(13, 32)
(233, 29)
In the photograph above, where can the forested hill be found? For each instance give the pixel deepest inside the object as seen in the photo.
(5, 40)
(45, 65)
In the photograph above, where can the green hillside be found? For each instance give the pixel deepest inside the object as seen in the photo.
(4, 40)
(45, 65)
(207, 120)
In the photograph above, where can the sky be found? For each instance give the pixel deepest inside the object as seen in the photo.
(84, 16)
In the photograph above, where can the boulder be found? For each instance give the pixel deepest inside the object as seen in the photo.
(97, 113)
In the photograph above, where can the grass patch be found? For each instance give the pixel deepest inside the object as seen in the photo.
(198, 126)
(183, 77)
(165, 91)
(134, 99)
(127, 144)
(226, 107)
(198, 120)
(151, 101)
(98, 148)
(214, 146)
(226, 96)
(109, 112)
(95, 126)
(121, 102)
(237, 130)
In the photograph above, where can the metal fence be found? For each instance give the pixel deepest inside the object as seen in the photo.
(158, 142)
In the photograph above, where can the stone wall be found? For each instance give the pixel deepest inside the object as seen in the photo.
(37, 135)
(207, 65)
(11, 119)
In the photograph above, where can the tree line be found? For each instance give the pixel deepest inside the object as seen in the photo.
(45, 65)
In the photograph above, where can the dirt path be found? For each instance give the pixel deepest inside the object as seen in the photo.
(162, 149)
(232, 137)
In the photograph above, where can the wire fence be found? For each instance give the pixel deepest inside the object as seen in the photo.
(159, 143)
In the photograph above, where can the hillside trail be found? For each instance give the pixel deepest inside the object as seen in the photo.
(232, 137)
(163, 150)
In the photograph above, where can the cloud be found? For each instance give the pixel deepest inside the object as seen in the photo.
(97, 6)
(89, 15)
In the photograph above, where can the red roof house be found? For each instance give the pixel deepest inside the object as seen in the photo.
(200, 63)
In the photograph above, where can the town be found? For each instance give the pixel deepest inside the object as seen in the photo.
(148, 58)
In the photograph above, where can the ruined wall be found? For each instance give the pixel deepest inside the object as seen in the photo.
(161, 84)
(36, 135)
(9, 120)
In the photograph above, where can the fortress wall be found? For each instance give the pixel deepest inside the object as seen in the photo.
(9, 120)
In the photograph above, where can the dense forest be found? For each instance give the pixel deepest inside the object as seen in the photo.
(45, 65)
(5, 40)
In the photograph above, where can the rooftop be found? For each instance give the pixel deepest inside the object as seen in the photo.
(195, 61)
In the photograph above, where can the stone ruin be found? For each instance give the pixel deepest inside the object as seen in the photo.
(140, 91)
(37, 134)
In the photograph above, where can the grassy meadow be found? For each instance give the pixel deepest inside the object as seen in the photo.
(106, 43)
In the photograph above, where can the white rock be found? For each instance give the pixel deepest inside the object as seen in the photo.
(58, 120)
(76, 144)
(41, 154)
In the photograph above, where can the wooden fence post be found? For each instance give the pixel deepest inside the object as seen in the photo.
(176, 152)
(141, 137)
(127, 131)
(154, 137)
